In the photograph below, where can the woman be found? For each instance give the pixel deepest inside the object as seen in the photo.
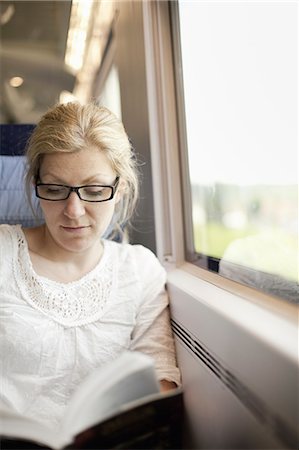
(70, 299)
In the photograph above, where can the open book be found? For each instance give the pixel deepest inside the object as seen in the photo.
(117, 406)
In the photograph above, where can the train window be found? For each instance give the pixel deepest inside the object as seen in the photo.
(237, 72)
(110, 94)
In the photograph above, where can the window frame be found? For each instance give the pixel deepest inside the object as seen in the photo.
(172, 191)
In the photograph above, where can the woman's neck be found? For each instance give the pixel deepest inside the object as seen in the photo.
(58, 264)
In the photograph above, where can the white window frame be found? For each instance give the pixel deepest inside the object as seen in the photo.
(169, 168)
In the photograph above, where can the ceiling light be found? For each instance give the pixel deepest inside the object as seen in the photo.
(7, 14)
(16, 81)
(77, 34)
(66, 96)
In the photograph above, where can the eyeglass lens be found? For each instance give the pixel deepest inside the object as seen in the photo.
(88, 193)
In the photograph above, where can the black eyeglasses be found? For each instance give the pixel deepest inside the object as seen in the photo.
(87, 193)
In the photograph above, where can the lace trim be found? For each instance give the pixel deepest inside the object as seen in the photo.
(72, 304)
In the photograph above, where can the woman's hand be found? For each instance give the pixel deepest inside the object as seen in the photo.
(167, 385)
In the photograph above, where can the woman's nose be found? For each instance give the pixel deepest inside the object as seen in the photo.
(74, 207)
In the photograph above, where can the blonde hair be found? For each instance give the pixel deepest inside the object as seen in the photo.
(71, 127)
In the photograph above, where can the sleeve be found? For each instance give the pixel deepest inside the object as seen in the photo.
(152, 333)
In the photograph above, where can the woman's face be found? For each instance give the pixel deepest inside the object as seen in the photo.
(76, 225)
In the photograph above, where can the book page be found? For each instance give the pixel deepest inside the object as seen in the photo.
(127, 378)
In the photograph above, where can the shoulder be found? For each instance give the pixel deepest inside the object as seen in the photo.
(136, 252)
(9, 236)
(4, 228)
(13, 238)
(8, 232)
(144, 261)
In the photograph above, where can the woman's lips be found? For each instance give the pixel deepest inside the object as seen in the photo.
(74, 229)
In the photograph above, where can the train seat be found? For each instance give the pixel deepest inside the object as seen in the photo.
(14, 204)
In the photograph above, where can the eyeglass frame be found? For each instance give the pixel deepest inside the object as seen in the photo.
(76, 189)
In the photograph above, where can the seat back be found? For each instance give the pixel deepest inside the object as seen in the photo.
(14, 204)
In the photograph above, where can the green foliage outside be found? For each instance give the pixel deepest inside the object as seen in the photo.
(213, 238)
(271, 250)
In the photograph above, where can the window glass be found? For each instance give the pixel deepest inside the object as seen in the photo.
(110, 94)
(239, 78)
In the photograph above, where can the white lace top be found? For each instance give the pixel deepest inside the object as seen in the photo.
(53, 334)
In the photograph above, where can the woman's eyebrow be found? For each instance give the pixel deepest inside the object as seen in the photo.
(99, 178)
